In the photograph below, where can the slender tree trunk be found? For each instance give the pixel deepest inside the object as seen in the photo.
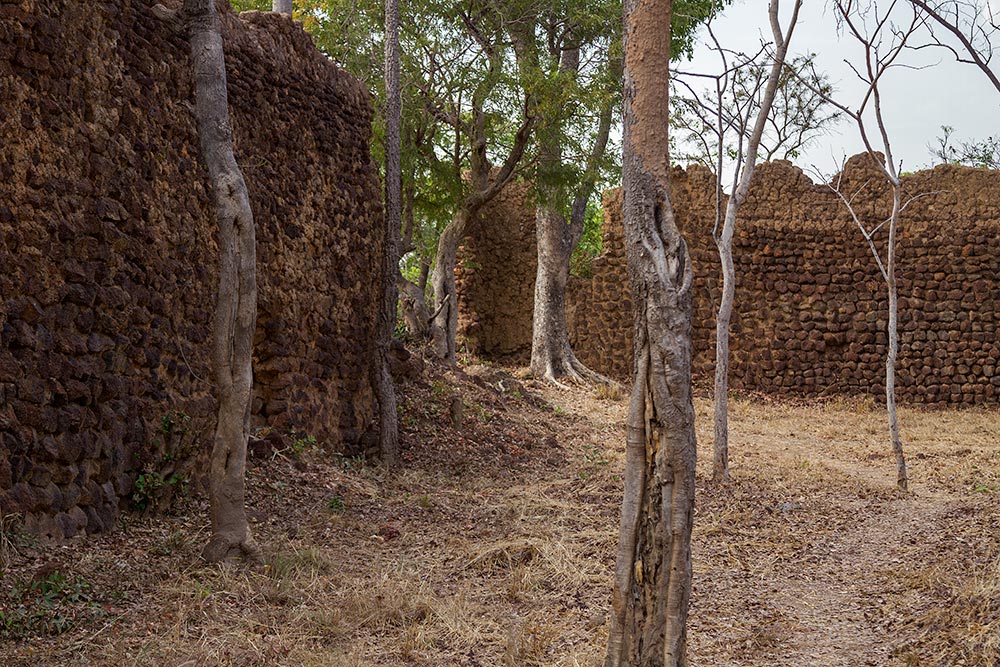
(444, 325)
(282, 6)
(236, 308)
(653, 572)
(893, 335)
(720, 445)
(413, 305)
(386, 392)
(412, 297)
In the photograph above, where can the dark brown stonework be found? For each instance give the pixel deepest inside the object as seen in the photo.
(495, 276)
(810, 303)
(107, 256)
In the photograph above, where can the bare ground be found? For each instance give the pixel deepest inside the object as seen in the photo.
(494, 546)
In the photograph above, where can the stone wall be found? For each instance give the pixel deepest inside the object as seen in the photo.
(811, 306)
(495, 276)
(108, 261)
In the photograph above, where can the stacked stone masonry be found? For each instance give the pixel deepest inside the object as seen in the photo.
(108, 261)
(811, 305)
(495, 276)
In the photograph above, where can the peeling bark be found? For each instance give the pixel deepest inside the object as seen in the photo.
(653, 571)
(236, 309)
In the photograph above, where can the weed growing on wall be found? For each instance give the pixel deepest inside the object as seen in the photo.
(166, 475)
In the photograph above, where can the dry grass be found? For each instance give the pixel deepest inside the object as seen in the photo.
(494, 546)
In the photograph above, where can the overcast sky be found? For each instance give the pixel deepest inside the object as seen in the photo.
(916, 103)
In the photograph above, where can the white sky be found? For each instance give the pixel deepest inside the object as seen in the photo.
(916, 103)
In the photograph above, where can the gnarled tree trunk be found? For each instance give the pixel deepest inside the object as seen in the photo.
(236, 307)
(653, 571)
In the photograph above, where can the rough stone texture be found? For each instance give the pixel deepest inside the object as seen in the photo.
(107, 257)
(495, 276)
(810, 302)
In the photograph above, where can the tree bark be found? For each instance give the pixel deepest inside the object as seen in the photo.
(444, 324)
(386, 393)
(724, 242)
(236, 307)
(552, 356)
(653, 571)
(282, 6)
(720, 444)
(892, 329)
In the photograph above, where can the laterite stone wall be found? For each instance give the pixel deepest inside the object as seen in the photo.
(108, 261)
(495, 276)
(811, 306)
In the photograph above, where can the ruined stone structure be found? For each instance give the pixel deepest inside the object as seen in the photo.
(495, 276)
(107, 258)
(810, 302)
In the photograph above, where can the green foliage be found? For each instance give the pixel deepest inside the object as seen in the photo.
(301, 442)
(984, 153)
(164, 477)
(591, 242)
(45, 606)
(336, 504)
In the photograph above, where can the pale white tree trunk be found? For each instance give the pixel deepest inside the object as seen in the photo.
(893, 334)
(282, 6)
(653, 570)
(882, 47)
(236, 307)
(724, 242)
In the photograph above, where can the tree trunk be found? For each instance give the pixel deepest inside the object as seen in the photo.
(890, 360)
(236, 307)
(653, 572)
(552, 356)
(444, 325)
(720, 445)
(413, 305)
(386, 392)
(282, 6)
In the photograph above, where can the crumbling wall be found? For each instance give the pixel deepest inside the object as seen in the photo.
(108, 261)
(495, 276)
(811, 307)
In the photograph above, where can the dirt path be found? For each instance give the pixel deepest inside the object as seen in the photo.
(802, 565)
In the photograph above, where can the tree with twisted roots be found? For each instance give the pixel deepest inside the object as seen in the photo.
(653, 570)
